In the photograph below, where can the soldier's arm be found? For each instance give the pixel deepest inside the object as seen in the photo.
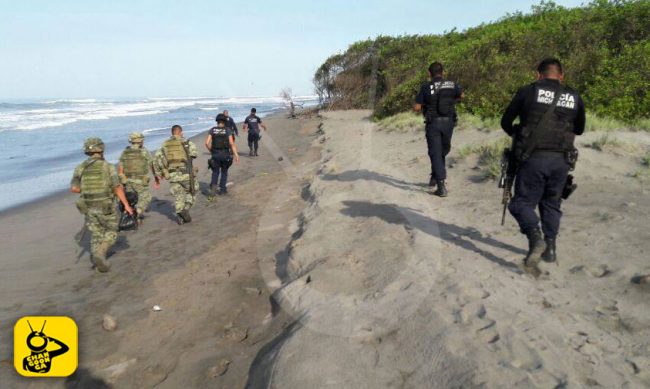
(75, 183)
(193, 151)
(245, 126)
(234, 127)
(150, 163)
(119, 192)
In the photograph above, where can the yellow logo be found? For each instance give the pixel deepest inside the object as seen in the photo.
(45, 346)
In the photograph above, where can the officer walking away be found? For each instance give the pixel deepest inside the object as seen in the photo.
(97, 182)
(252, 124)
(230, 124)
(550, 116)
(221, 145)
(174, 161)
(437, 101)
(133, 169)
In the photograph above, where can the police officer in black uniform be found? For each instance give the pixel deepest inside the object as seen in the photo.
(222, 147)
(437, 101)
(252, 124)
(550, 116)
(231, 125)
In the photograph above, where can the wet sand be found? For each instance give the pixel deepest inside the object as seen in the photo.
(203, 275)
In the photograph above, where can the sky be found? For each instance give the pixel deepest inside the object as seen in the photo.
(161, 48)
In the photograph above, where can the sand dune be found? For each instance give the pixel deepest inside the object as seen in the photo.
(331, 265)
(409, 290)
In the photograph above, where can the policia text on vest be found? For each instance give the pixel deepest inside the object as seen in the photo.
(550, 116)
(222, 147)
(437, 101)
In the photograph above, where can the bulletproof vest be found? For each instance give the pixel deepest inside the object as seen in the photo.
(556, 133)
(441, 99)
(134, 163)
(220, 139)
(96, 182)
(174, 153)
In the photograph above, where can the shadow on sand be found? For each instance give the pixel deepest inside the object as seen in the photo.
(355, 175)
(459, 236)
(164, 207)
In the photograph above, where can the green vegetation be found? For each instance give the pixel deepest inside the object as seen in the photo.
(402, 122)
(605, 141)
(489, 155)
(645, 161)
(604, 47)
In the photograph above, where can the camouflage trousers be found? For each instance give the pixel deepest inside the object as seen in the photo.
(103, 231)
(142, 188)
(183, 199)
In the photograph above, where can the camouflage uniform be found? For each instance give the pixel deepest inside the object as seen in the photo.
(179, 179)
(136, 182)
(100, 213)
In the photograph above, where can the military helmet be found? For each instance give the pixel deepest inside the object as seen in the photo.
(221, 118)
(93, 145)
(136, 137)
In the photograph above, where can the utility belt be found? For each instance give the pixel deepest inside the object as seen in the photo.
(182, 170)
(144, 179)
(571, 156)
(103, 204)
(438, 119)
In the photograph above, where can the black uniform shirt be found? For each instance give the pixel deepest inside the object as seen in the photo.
(570, 105)
(232, 126)
(427, 91)
(253, 122)
(218, 131)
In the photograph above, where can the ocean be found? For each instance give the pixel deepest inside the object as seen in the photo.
(41, 140)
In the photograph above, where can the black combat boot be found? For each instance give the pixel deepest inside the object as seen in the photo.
(442, 189)
(549, 254)
(432, 181)
(179, 219)
(186, 215)
(536, 247)
(250, 152)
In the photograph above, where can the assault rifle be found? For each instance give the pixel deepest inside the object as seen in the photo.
(189, 164)
(508, 172)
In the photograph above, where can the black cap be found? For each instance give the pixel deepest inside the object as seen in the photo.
(221, 118)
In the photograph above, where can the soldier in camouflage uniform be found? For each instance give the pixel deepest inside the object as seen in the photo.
(174, 162)
(97, 182)
(133, 170)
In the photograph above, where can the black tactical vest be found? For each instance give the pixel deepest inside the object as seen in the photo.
(556, 132)
(440, 101)
(220, 139)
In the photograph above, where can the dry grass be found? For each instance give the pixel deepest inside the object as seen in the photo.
(402, 122)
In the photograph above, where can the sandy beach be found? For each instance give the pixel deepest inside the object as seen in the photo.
(331, 265)
(203, 275)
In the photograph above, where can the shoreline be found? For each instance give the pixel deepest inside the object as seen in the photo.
(61, 194)
(58, 194)
(44, 271)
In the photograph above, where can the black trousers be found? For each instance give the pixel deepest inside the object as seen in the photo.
(438, 134)
(219, 163)
(539, 184)
(253, 141)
